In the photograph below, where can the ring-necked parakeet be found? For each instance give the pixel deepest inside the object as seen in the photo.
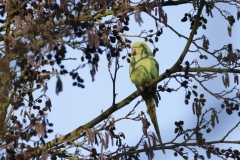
(143, 69)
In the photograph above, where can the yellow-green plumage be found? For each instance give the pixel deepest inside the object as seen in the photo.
(143, 69)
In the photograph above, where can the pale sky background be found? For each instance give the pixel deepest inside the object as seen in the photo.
(75, 106)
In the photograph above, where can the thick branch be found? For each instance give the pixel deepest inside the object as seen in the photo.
(80, 131)
(214, 70)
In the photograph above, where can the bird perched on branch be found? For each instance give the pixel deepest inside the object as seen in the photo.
(144, 68)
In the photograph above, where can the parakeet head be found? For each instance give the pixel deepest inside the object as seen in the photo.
(140, 48)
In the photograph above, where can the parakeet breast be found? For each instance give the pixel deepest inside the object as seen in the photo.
(141, 69)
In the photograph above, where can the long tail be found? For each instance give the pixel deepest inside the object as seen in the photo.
(153, 116)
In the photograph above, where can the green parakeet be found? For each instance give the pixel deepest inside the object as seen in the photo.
(143, 69)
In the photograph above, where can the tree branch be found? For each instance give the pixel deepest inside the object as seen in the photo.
(195, 27)
(79, 132)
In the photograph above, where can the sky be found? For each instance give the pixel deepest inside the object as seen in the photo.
(75, 106)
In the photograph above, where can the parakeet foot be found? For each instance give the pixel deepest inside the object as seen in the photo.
(141, 88)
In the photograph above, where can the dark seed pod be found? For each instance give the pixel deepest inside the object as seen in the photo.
(176, 130)
(181, 122)
(128, 60)
(112, 39)
(184, 19)
(158, 33)
(125, 28)
(195, 93)
(205, 20)
(229, 111)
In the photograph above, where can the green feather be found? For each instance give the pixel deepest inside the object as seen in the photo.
(143, 69)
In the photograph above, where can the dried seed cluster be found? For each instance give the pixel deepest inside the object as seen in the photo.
(198, 104)
(202, 21)
(230, 107)
(224, 153)
(38, 127)
(179, 127)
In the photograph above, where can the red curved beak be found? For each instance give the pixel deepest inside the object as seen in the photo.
(133, 51)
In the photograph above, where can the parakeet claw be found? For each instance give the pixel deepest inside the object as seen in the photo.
(141, 88)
